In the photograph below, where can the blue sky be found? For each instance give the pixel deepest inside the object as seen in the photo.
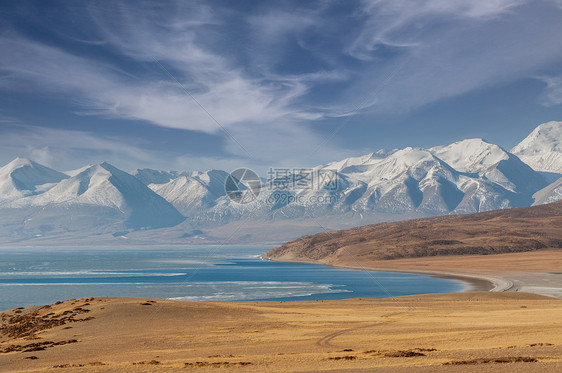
(223, 84)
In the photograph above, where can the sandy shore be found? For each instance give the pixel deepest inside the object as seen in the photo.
(462, 332)
(538, 272)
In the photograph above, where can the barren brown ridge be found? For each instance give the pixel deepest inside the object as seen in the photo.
(494, 232)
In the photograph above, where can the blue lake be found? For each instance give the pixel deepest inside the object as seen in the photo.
(44, 275)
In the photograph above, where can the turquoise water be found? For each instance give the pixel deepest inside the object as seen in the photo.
(36, 276)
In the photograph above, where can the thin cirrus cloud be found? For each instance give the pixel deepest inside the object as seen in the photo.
(65, 149)
(208, 84)
(54, 147)
(277, 75)
(102, 90)
(552, 95)
(442, 49)
(223, 89)
(399, 22)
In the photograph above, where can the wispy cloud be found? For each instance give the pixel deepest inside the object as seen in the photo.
(448, 48)
(68, 148)
(553, 94)
(231, 97)
(399, 23)
(271, 73)
(183, 40)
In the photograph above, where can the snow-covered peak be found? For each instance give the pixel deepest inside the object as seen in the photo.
(410, 156)
(398, 162)
(551, 193)
(23, 177)
(17, 163)
(77, 171)
(90, 186)
(193, 191)
(546, 137)
(471, 155)
(214, 181)
(407, 157)
(23, 163)
(366, 159)
(348, 162)
(106, 186)
(542, 149)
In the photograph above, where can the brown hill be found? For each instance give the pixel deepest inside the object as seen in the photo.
(493, 232)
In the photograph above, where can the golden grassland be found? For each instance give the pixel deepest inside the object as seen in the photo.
(462, 332)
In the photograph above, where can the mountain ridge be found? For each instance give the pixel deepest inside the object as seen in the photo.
(100, 194)
(467, 176)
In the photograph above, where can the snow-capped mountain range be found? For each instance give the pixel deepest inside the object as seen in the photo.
(97, 199)
(464, 177)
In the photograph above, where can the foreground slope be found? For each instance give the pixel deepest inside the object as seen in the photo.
(493, 232)
(463, 332)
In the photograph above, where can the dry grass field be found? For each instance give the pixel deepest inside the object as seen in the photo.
(463, 332)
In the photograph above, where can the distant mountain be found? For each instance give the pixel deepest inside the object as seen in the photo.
(405, 180)
(100, 198)
(416, 179)
(551, 193)
(412, 180)
(22, 177)
(492, 163)
(467, 176)
(471, 155)
(542, 149)
(191, 193)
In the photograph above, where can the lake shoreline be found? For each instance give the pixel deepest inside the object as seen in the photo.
(235, 273)
(535, 272)
(471, 282)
